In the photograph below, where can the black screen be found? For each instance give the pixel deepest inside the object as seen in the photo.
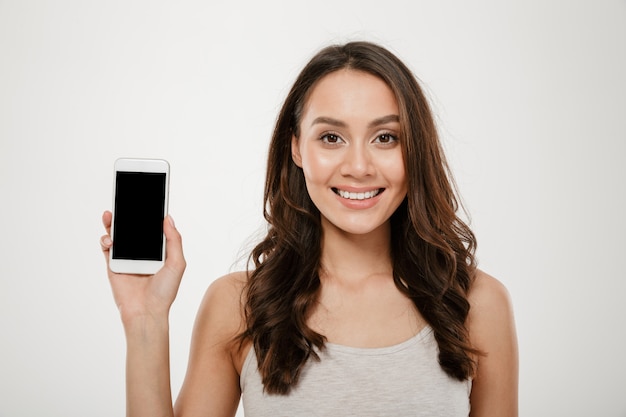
(139, 212)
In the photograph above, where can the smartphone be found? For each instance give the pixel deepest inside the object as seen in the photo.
(140, 199)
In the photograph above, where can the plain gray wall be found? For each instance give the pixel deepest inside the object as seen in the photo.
(530, 98)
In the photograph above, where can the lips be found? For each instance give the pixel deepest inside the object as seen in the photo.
(362, 195)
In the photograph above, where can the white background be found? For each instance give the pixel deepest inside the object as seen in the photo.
(530, 98)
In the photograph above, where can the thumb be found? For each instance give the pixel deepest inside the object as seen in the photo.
(174, 257)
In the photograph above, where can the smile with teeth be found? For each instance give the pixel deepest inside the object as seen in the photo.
(357, 196)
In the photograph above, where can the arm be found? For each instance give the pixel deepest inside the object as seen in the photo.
(144, 303)
(211, 385)
(492, 331)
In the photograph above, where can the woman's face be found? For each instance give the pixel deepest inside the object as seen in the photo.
(350, 153)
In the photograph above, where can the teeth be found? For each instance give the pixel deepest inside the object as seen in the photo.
(358, 196)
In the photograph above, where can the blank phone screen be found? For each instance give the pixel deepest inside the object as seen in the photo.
(139, 212)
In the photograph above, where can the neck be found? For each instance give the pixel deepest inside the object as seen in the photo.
(354, 258)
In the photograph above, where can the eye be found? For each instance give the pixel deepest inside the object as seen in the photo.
(331, 139)
(386, 138)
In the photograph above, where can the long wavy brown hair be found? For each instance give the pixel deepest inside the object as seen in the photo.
(432, 248)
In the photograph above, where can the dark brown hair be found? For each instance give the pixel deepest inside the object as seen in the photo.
(432, 248)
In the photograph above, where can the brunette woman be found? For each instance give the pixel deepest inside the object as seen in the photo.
(364, 297)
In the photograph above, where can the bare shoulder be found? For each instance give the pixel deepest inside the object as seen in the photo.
(488, 296)
(222, 305)
(491, 311)
(211, 385)
(491, 326)
(228, 286)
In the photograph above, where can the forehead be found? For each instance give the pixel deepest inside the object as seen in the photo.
(348, 93)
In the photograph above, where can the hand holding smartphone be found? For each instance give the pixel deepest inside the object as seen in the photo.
(140, 201)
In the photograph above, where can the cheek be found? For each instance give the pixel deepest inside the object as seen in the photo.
(317, 167)
(395, 171)
(400, 175)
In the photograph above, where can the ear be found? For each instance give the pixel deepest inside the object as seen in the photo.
(295, 151)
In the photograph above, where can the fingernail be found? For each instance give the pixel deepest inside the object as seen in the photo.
(171, 220)
(107, 241)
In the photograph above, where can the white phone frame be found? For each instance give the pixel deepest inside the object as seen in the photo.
(138, 266)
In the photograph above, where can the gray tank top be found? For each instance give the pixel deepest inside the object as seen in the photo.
(399, 380)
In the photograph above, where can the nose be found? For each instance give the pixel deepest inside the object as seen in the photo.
(357, 161)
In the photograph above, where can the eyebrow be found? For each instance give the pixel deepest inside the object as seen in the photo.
(384, 120)
(338, 123)
(328, 121)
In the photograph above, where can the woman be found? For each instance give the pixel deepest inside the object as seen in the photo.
(364, 298)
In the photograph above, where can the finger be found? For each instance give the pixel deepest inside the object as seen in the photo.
(106, 221)
(175, 258)
(105, 245)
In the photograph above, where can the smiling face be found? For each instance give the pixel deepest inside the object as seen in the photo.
(349, 151)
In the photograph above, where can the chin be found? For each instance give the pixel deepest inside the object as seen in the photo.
(358, 228)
